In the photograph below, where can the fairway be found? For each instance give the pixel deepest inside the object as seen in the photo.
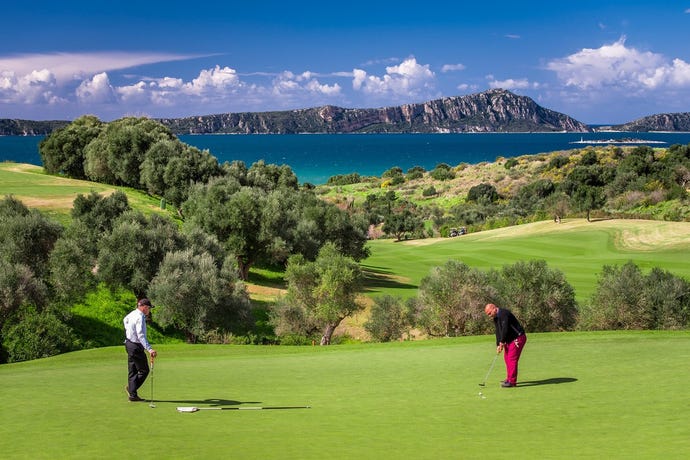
(582, 395)
(576, 247)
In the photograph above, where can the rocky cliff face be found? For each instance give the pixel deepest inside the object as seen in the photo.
(660, 122)
(490, 111)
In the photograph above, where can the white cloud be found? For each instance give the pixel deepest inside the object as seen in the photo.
(34, 87)
(212, 81)
(306, 81)
(97, 90)
(138, 92)
(408, 79)
(465, 87)
(511, 83)
(620, 67)
(76, 66)
(452, 67)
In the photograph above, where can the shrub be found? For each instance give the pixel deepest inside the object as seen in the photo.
(511, 163)
(451, 299)
(36, 335)
(627, 299)
(540, 296)
(389, 319)
(429, 191)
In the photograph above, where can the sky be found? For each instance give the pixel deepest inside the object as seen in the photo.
(601, 62)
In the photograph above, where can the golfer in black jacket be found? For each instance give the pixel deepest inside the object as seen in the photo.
(510, 339)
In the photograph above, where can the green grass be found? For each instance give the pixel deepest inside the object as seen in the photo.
(54, 195)
(576, 247)
(586, 395)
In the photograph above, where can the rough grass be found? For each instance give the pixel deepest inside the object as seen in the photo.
(583, 395)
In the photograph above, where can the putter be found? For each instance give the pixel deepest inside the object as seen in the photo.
(483, 384)
(195, 409)
(151, 404)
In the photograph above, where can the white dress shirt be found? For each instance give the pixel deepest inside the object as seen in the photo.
(135, 328)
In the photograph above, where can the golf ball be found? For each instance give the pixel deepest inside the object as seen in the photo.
(480, 393)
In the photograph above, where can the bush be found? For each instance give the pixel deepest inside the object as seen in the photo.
(344, 179)
(451, 299)
(482, 193)
(389, 319)
(511, 163)
(627, 299)
(36, 335)
(442, 174)
(429, 191)
(540, 296)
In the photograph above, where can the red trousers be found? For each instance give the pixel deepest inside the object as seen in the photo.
(511, 355)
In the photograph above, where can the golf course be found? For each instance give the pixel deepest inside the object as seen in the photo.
(581, 395)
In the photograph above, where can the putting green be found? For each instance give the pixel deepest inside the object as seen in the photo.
(582, 395)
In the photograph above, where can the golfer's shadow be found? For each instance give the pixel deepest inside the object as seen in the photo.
(212, 402)
(551, 381)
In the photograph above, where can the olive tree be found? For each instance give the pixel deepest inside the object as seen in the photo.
(451, 301)
(539, 295)
(129, 256)
(320, 293)
(62, 152)
(626, 298)
(390, 318)
(194, 295)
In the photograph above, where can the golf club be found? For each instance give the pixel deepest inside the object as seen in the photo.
(488, 373)
(195, 409)
(151, 404)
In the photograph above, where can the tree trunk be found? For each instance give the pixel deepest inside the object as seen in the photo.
(243, 268)
(327, 334)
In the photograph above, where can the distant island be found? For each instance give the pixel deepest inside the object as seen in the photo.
(492, 111)
(625, 140)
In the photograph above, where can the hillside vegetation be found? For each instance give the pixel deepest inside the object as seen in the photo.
(245, 254)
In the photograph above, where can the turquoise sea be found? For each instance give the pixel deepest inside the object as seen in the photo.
(316, 157)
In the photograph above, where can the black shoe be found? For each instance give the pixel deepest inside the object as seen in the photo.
(507, 384)
(136, 399)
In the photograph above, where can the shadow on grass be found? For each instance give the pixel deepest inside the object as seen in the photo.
(378, 279)
(551, 381)
(261, 279)
(212, 402)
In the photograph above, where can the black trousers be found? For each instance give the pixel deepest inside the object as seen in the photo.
(137, 365)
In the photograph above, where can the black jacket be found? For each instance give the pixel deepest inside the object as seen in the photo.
(508, 328)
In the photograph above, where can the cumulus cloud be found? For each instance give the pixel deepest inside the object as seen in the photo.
(618, 66)
(214, 80)
(34, 87)
(406, 79)
(94, 82)
(96, 90)
(304, 89)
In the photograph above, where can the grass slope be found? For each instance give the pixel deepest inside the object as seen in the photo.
(54, 195)
(576, 247)
(583, 395)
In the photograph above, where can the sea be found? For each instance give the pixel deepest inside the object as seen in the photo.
(316, 157)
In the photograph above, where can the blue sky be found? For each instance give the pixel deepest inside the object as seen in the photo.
(598, 61)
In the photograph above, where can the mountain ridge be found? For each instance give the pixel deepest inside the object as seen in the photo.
(494, 110)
